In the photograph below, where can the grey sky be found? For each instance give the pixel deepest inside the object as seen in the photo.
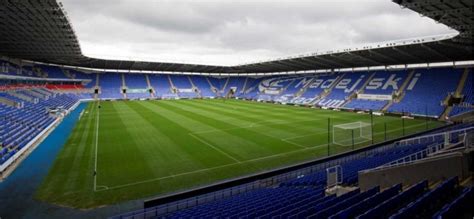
(229, 32)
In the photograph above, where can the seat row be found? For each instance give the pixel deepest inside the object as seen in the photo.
(20, 125)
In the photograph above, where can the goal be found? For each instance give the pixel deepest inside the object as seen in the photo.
(354, 132)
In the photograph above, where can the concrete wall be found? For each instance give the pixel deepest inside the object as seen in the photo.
(432, 169)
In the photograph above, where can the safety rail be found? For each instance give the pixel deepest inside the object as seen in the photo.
(174, 206)
(420, 155)
(334, 176)
(433, 137)
(322, 164)
(431, 149)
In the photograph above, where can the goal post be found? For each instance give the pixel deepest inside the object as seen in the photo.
(347, 134)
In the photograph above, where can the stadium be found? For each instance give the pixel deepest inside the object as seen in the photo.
(384, 130)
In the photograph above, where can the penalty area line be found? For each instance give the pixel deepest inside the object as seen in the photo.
(205, 169)
(105, 188)
(325, 133)
(214, 147)
(255, 125)
(293, 143)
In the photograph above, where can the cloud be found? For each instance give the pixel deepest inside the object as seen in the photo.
(227, 32)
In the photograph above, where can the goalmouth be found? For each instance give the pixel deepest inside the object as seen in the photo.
(348, 134)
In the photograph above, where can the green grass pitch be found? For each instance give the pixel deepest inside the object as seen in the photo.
(147, 148)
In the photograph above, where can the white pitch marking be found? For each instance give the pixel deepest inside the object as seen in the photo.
(96, 148)
(207, 169)
(293, 143)
(301, 136)
(252, 125)
(376, 133)
(104, 188)
(262, 122)
(226, 165)
(393, 130)
(214, 147)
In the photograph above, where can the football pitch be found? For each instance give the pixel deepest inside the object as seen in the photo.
(128, 150)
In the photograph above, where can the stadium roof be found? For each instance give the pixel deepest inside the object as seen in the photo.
(40, 31)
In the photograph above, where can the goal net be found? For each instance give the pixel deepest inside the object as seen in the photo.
(348, 133)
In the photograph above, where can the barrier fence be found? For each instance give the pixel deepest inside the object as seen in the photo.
(162, 206)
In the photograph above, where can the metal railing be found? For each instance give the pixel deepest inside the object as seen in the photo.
(164, 209)
(435, 148)
(171, 207)
(334, 176)
(434, 137)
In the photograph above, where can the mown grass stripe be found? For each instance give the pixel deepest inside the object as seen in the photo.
(180, 122)
(288, 124)
(236, 143)
(260, 142)
(145, 149)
